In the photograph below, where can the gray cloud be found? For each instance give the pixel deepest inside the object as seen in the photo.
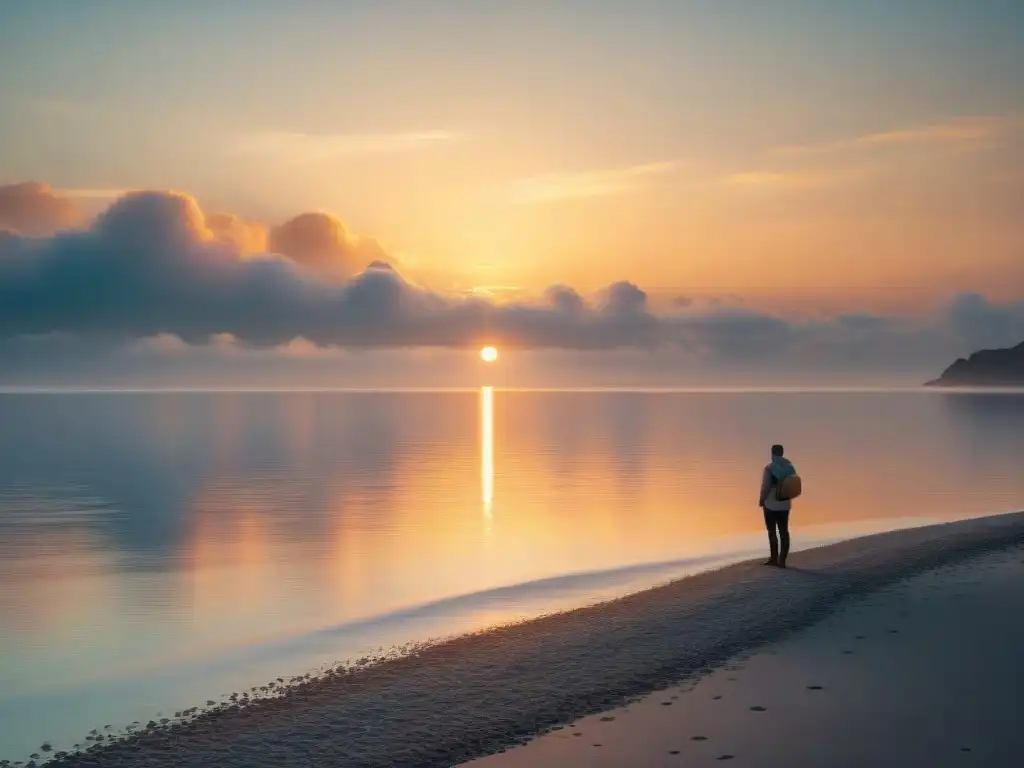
(154, 265)
(566, 299)
(971, 316)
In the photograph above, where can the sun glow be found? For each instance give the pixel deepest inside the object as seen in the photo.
(488, 354)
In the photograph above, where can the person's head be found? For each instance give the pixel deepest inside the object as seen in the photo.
(777, 450)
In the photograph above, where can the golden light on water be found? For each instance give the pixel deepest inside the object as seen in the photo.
(489, 354)
(487, 447)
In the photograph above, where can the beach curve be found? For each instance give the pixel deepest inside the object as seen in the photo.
(480, 693)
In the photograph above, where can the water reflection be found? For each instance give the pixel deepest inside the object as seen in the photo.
(162, 530)
(487, 448)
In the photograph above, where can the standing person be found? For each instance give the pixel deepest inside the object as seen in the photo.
(777, 492)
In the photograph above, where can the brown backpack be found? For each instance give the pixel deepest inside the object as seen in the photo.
(789, 488)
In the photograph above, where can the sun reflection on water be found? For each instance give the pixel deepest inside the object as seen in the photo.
(487, 448)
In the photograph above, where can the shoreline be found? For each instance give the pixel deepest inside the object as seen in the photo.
(122, 694)
(485, 692)
(920, 672)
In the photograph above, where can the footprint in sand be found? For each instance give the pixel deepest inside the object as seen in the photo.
(607, 719)
(757, 709)
(666, 703)
(848, 653)
(965, 749)
(716, 698)
(577, 734)
(814, 688)
(674, 752)
(699, 738)
(727, 757)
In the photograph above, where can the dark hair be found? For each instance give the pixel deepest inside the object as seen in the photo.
(777, 450)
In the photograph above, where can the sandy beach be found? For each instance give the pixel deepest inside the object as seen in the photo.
(927, 685)
(924, 672)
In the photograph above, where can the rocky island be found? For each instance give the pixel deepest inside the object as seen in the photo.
(986, 368)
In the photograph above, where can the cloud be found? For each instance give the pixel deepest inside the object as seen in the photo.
(496, 290)
(32, 208)
(154, 266)
(795, 180)
(249, 237)
(568, 186)
(565, 298)
(959, 133)
(971, 316)
(958, 130)
(289, 147)
(151, 265)
(321, 244)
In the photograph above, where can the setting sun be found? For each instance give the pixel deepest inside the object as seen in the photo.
(488, 354)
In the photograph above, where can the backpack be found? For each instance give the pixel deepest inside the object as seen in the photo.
(786, 481)
(789, 488)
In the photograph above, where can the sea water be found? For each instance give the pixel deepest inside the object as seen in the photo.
(159, 550)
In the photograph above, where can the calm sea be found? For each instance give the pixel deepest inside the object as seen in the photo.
(158, 550)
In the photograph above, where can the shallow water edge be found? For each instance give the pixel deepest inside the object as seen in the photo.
(484, 692)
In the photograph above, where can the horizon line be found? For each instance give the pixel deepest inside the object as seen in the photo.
(796, 389)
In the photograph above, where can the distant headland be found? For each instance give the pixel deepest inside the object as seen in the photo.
(986, 368)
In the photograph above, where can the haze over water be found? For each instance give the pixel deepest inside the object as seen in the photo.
(161, 549)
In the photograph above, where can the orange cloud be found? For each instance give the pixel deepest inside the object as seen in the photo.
(320, 243)
(248, 236)
(35, 209)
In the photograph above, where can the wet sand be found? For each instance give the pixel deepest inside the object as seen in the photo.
(926, 672)
(451, 702)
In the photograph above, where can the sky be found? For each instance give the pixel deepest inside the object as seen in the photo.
(715, 177)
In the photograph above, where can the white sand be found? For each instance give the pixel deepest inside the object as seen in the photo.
(924, 673)
(478, 694)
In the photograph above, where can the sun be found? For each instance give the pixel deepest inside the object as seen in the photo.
(488, 354)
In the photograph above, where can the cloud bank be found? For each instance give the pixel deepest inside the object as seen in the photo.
(155, 266)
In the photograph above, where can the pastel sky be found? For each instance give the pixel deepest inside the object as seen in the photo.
(855, 145)
(859, 156)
